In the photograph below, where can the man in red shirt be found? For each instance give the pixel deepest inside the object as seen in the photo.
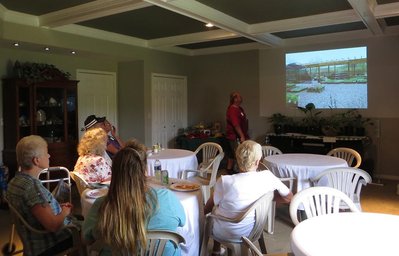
(236, 128)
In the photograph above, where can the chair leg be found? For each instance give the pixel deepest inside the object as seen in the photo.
(262, 244)
(271, 215)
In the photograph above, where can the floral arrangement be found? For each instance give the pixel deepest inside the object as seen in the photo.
(38, 72)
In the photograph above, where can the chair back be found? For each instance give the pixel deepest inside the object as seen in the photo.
(317, 201)
(156, 243)
(80, 182)
(209, 151)
(23, 226)
(53, 175)
(261, 208)
(270, 150)
(349, 180)
(215, 168)
(157, 240)
(351, 156)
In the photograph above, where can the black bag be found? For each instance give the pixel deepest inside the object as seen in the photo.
(62, 192)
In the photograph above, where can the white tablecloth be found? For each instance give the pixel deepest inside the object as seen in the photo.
(301, 166)
(347, 234)
(193, 207)
(173, 160)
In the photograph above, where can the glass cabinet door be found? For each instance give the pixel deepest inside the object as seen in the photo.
(49, 115)
(24, 111)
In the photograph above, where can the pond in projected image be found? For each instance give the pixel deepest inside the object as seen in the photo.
(336, 96)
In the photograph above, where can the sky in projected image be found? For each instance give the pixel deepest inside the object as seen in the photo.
(334, 78)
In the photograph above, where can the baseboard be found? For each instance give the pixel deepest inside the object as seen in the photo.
(386, 177)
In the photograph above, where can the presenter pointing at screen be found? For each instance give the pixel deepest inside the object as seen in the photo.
(236, 128)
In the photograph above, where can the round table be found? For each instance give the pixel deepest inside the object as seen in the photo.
(173, 160)
(301, 166)
(192, 203)
(347, 234)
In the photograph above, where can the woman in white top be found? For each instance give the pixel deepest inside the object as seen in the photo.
(233, 194)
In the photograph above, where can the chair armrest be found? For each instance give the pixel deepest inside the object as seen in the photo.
(184, 173)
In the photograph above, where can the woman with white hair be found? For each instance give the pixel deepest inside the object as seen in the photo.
(233, 194)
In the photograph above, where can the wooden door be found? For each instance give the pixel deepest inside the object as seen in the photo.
(169, 108)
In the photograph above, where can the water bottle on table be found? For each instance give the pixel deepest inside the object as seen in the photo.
(157, 170)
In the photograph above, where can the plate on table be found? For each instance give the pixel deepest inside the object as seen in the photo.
(96, 193)
(185, 187)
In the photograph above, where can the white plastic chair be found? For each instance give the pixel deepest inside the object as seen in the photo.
(21, 224)
(349, 180)
(270, 150)
(156, 242)
(206, 184)
(261, 208)
(271, 216)
(80, 182)
(253, 251)
(317, 201)
(348, 154)
(209, 151)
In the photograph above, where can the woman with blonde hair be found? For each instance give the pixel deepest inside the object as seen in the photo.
(93, 163)
(121, 218)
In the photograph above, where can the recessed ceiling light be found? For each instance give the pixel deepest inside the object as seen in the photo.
(16, 44)
(209, 25)
(47, 49)
(73, 52)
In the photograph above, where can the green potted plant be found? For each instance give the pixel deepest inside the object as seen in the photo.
(311, 120)
(278, 121)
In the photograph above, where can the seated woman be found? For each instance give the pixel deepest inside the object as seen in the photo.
(35, 203)
(93, 163)
(233, 194)
(122, 217)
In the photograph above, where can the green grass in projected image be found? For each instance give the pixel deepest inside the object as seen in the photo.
(328, 79)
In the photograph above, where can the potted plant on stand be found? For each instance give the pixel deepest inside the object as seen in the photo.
(278, 121)
(311, 120)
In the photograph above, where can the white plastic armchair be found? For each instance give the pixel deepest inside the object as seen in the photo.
(317, 201)
(80, 182)
(349, 180)
(351, 156)
(271, 216)
(206, 183)
(270, 150)
(261, 208)
(156, 242)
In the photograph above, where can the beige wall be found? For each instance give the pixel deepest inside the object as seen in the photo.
(258, 75)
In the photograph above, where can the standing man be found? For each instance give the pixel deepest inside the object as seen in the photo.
(236, 128)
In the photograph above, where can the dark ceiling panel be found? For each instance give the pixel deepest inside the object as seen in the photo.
(392, 21)
(39, 7)
(224, 42)
(148, 23)
(321, 30)
(257, 11)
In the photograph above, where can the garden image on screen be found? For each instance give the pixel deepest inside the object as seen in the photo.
(334, 78)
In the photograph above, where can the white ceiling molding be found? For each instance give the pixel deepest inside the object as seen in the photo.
(386, 10)
(203, 13)
(88, 11)
(365, 8)
(228, 49)
(332, 18)
(192, 38)
(21, 18)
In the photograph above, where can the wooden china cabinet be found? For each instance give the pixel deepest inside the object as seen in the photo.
(46, 108)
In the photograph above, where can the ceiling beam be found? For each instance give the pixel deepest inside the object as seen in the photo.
(211, 35)
(365, 10)
(386, 10)
(88, 11)
(204, 13)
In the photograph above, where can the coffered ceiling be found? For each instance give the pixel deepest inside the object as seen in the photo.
(179, 25)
